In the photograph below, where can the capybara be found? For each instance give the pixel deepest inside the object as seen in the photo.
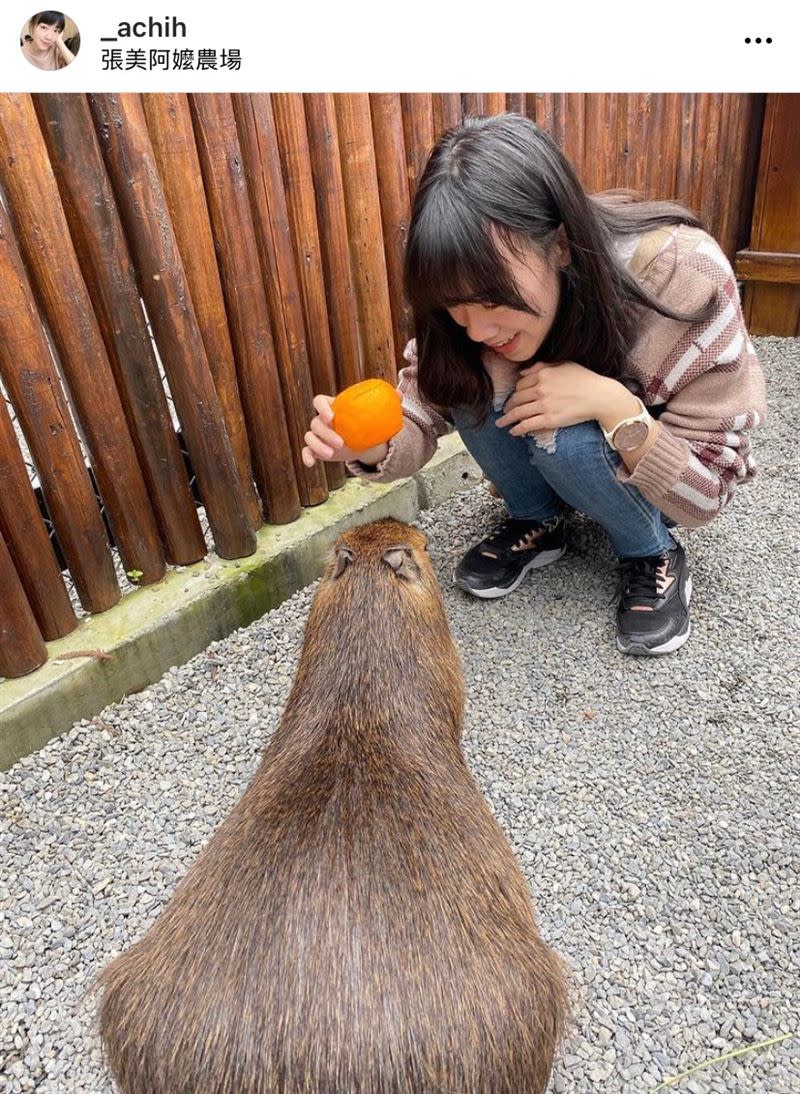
(358, 924)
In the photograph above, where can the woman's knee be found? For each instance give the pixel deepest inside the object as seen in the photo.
(577, 461)
(568, 444)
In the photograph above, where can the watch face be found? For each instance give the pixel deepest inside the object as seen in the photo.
(628, 437)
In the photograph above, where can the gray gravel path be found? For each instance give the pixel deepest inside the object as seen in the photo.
(652, 803)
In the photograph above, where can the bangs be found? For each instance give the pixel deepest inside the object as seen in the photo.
(453, 258)
(50, 19)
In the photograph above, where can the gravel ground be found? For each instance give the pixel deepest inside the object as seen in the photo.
(652, 802)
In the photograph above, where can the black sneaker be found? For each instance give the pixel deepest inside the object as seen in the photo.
(653, 610)
(498, 564)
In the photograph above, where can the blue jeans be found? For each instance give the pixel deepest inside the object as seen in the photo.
(580, 472)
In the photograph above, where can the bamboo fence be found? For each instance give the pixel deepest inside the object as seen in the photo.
(180, 274)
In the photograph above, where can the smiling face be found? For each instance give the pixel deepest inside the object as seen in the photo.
(514, 334)
(44, 36)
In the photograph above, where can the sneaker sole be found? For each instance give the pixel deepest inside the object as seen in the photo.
(543, 559)
(673, 644)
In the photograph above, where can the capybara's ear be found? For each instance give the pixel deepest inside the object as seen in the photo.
(401, 559)
(343, 556)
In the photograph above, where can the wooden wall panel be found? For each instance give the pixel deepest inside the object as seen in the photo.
(393, 184)
(323, 135)
(130, 160)
(169, 123)
(362, 200)
(447, 112)
(772, 307)
(46, 244)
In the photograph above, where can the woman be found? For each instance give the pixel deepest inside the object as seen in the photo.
(592, 353)
(43, 44)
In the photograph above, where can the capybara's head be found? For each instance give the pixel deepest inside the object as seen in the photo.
(378, 619)
(380, 573)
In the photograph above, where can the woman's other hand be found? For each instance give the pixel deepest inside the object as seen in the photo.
(548, 396)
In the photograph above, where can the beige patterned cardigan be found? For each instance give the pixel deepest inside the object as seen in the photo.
(703, 381)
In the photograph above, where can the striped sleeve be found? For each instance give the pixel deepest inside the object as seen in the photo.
(709, 382)
(416, 442)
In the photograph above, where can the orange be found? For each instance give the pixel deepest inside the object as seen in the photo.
(367, 414)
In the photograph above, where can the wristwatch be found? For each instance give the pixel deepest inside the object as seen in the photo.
(630, 432)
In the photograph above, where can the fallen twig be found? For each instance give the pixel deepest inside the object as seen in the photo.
(98, 655)
(719, 1059)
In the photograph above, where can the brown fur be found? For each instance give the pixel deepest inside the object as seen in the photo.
(358, 924)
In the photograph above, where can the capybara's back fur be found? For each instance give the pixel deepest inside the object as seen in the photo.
(358, 924)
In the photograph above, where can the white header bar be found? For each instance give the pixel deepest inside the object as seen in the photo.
(416, 45)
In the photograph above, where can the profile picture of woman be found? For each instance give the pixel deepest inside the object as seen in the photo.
(50, 40)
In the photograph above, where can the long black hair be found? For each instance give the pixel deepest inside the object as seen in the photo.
(503, 180)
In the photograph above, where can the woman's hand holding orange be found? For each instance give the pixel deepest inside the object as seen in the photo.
(323, 443)
(550, 395)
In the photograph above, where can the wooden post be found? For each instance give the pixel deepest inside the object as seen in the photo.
(22, 647)
(28, 542)
(169, 123)
(660, 155)
(32, 193)
(364, 223)
(713, 166)
(305, 357)
(447, 112)
(687, 150)
(515, 102)
(773, 306)
(474, 104)
(100, 243)
(390, 158)
(704, 140)
(30, 376)
(561, 106)
(418, 131)
(122, 130)
(618, 137)
(295, 208)
(593, 120)
(541, 109)
(323, 142)
(494, 102)
(269, 410)
(574, 112)
(740, 121)
(554, 106)
(600, 142)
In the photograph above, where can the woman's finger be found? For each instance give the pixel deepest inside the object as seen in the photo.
(530, 425)
(320, 447)
(322, 405)
(514, 414)
(324, 432)
(526, 383)
(524, 392)
(533, 370)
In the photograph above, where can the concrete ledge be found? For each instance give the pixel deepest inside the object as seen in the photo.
(163, 625)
